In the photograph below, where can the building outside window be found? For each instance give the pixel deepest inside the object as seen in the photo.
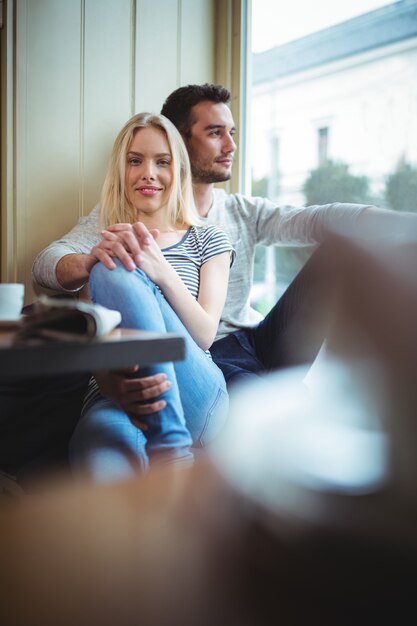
(323, 145)
(273, 179)
(335, 86)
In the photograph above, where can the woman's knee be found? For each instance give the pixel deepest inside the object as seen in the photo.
(119, 282)
(101, 275)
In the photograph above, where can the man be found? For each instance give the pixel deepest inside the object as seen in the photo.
(245, 345)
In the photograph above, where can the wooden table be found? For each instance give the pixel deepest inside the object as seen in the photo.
(120, 348)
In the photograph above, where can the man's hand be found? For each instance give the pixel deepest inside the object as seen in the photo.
(125, 242)
(132, 394)
(122, 241)
(121, 244)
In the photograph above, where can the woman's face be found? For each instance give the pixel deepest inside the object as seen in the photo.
(148, 170)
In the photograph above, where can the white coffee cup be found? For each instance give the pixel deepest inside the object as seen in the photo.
(11, 300)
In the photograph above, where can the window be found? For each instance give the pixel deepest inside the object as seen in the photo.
(353, 62)
(273, 188)
(323, 145)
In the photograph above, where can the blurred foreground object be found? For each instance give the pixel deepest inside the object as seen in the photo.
(305, 513)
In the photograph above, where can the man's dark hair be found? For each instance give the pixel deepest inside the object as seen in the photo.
(177, 107)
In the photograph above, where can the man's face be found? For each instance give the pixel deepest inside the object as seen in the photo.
(211, 147)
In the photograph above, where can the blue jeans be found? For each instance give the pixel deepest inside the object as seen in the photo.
(105, 443)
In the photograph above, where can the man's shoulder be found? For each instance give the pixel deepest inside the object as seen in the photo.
(94, 215)
(240, 202)
(87, 225)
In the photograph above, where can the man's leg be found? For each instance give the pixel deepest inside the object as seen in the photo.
(37, 418)
(236, 357)
(291, 334)
(295, 328)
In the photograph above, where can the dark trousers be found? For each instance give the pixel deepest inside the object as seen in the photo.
(291, 334)
(37, 418)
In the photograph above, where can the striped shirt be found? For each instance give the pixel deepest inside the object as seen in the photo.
(199, 245)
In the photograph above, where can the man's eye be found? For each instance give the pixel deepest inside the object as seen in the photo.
(215, 133)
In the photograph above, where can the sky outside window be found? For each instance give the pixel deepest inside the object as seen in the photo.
(275, 22)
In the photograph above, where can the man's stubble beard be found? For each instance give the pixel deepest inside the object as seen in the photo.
(207, 175)
(203, 173)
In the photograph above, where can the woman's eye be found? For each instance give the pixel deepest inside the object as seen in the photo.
(164, 162)
(134, 161)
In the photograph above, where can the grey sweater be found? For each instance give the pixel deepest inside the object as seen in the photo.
(247, 221)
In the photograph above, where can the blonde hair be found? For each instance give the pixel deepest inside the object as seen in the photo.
(115, 205)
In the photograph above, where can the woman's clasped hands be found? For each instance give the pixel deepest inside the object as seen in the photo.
(133, 244)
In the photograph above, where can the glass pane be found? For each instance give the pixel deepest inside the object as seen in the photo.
(333, 112)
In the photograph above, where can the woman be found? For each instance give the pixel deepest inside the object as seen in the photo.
(179, 285)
